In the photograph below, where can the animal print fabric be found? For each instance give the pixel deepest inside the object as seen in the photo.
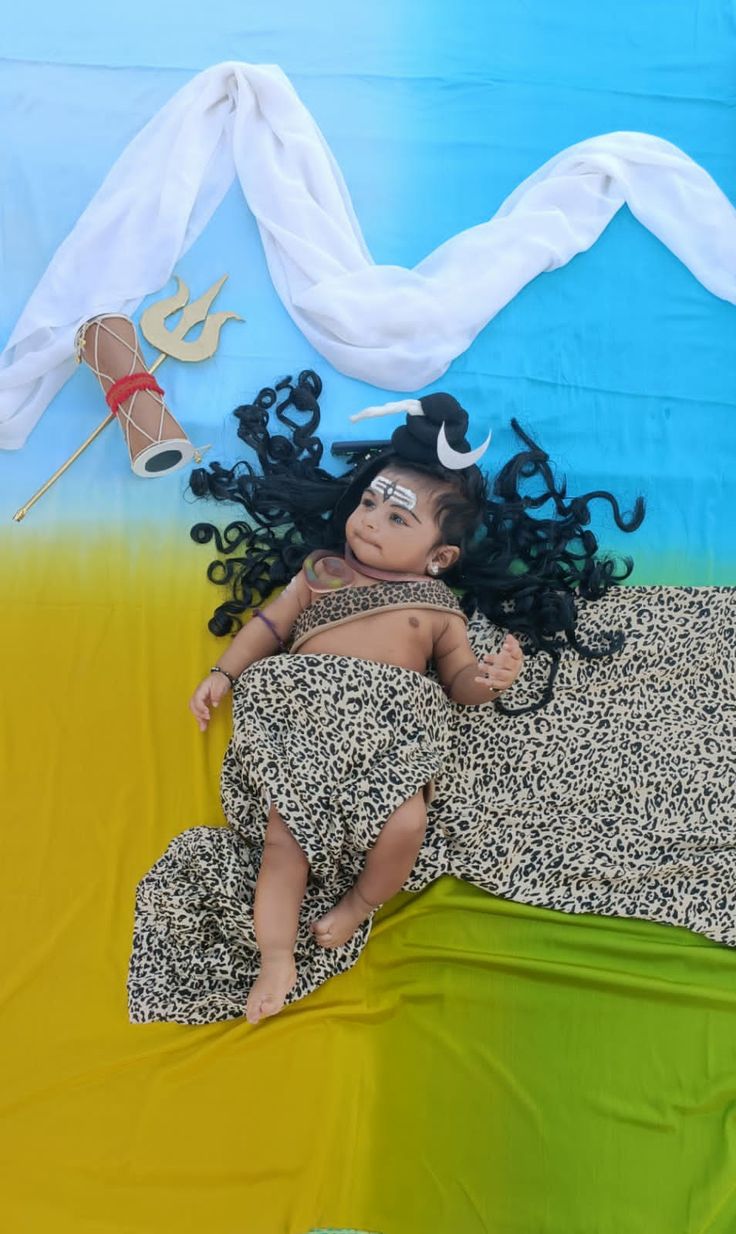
(350, 603)
(619, 798)
(337, 744)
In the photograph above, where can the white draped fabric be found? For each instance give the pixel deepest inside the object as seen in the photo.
(395, 328)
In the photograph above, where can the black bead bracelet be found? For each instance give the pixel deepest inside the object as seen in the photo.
(216, 669)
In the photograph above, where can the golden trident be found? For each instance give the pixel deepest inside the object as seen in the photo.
(170, 342)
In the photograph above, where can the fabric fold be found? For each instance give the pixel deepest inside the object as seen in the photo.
(392, 327)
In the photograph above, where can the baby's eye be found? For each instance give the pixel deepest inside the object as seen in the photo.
(367, 502)
(397, 518)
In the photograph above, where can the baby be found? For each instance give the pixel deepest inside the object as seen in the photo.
(382, 603)
(339, 746)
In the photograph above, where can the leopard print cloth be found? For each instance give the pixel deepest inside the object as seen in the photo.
(348, 604)
(619, 798)
(337, 743)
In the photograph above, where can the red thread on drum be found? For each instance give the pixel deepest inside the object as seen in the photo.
(122, 389)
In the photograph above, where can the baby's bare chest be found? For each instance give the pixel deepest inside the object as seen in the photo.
(404, 637)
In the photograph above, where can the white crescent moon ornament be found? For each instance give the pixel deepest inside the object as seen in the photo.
(454, 460)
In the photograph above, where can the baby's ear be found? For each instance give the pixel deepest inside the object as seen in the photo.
(446, 555)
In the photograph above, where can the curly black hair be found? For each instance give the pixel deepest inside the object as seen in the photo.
(524, 571)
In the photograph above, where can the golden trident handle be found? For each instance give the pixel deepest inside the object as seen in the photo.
(170, 342)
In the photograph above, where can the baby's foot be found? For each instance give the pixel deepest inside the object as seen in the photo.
(340, 924)
(276, 978)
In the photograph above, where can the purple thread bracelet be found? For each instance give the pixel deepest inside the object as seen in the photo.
(257, 613)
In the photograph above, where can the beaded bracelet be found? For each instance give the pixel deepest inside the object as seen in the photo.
(217, 669)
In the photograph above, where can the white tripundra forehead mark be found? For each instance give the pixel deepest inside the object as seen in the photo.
(391, 491)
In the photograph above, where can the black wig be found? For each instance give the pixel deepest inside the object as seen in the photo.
(523, 571)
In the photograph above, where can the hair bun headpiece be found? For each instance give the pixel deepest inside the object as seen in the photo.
(434, 431)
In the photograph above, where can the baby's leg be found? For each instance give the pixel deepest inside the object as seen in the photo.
(279, 893)
(387, 867)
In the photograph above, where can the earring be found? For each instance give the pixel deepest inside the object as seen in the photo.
(433, 567)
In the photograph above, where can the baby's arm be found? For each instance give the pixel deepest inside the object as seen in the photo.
(465, 679)
(257, 639)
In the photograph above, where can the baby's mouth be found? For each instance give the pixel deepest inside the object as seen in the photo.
(364, 540)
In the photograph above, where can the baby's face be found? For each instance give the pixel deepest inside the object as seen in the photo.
(394, 526)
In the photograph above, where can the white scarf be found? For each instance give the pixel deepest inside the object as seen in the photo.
(396, 328)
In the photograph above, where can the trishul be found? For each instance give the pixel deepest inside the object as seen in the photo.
(170, 342)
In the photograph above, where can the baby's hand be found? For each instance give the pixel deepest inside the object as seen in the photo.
(208, 694)
(500, 669)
